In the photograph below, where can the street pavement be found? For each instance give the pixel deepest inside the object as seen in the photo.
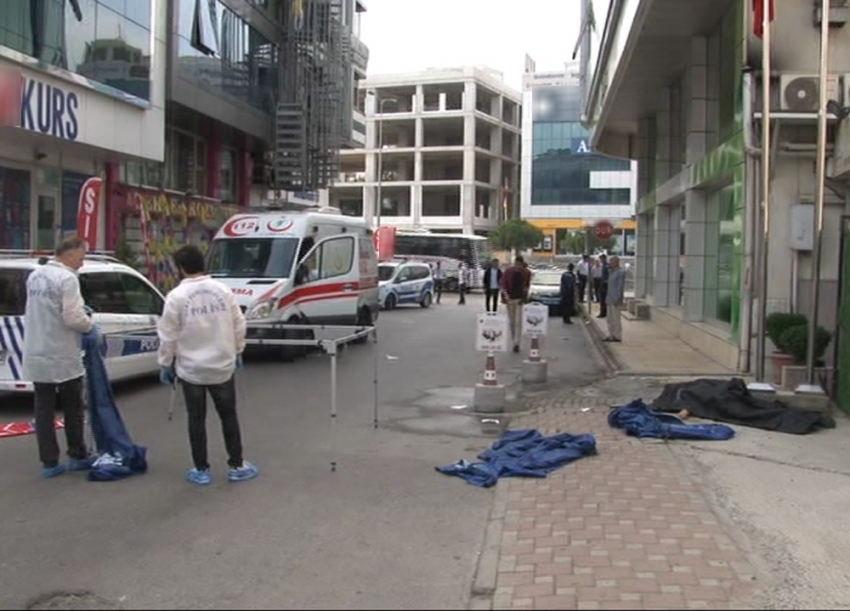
(383, 531)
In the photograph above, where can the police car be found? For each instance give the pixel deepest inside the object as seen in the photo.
(402, 282)
(123, 300)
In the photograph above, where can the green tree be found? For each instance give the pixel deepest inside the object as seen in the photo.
(516, 234)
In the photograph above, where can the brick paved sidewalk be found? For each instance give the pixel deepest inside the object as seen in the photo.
(627, 529)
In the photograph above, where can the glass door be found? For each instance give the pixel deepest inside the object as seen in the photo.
(47, 220)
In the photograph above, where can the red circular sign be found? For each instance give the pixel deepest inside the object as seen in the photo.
(240, 226)
(603, 230)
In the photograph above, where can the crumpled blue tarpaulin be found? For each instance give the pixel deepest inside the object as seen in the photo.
(522, 453)
(640, 421)
(118, 456)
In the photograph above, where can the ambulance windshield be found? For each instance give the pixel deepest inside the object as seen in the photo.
(252, 257)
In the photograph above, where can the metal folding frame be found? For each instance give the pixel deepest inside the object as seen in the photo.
(328, 346)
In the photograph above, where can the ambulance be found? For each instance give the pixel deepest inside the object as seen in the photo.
(312, 268)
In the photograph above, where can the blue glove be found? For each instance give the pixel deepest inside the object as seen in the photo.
(239, 362)
(167, 375)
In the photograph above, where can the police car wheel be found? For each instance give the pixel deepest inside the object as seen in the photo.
(426, 300)
(390, 302)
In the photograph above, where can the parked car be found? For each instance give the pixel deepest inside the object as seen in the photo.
(122, 299)
(546, 289)
(405, 283)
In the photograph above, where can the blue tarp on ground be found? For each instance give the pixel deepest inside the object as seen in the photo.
(640, 421)
(522, 453)
(118, 456)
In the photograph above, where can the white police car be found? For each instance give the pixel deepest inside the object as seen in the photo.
(123, 300)
(403, 282)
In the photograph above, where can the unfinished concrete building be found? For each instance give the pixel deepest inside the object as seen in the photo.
(447, 142)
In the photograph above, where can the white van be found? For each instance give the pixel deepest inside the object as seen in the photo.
(123, 300)
(297, 268)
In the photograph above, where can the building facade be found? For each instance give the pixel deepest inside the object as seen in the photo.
(88, 80)
(448, 143)
(689, 112)
(566, 187)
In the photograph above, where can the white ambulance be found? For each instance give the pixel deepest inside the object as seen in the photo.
(298, 268)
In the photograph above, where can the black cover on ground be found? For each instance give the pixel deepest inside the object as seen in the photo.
(730, 401)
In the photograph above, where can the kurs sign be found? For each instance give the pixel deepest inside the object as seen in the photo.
(37, 106)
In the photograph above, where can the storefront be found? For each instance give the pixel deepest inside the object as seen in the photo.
(577, 236)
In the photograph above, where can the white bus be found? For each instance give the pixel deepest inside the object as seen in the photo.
(448, 248)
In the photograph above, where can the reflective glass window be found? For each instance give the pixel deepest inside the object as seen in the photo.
(104, 40)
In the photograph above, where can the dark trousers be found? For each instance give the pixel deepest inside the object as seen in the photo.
(567, 309)
(461, 288)
(582, 286)
(438, 290)
(67, 396)
(224, 399)
(601, 294)
(492, 297)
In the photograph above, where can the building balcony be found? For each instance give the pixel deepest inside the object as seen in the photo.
(641, 52)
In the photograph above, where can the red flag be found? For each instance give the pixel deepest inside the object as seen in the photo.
(758, 15)
(87, 211)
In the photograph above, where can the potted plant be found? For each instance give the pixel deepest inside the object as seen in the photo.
(795, 342)
(776, 325)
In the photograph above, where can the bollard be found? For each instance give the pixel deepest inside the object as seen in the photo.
(534, 369)
(489, 395)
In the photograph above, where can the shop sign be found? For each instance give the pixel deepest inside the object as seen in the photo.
(49, 109)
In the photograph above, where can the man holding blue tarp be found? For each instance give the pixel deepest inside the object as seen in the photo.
(202, 337)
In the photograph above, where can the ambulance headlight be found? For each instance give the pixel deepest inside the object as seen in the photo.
(262, 309)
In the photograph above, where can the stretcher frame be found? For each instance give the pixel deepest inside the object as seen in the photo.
(328, 346)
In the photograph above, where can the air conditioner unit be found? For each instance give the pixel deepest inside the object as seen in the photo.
(799, 92)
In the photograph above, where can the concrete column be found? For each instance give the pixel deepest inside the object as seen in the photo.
(420, 133)
(469, 96)
(416, 204)
(646, 128)
(665, 254)
(697, 254)
(496, 105)
(419, 100)
(696, 136)
(663, 141)
(644, 237)
(496, 172)
(712, 114)
(467, 206)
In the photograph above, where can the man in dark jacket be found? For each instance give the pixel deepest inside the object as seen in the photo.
(492, 284)
(568, 293)
(515, 284)
(603, 288)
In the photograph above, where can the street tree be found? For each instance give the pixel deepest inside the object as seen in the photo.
(516, 235)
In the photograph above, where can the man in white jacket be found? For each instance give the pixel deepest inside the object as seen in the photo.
(202, 337)
(55, 318)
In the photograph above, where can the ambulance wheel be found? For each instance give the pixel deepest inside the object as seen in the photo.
(390, 302)
(289, 354)
(364, 319)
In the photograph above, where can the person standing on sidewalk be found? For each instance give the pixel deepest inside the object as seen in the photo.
(492, 285)
(202, 337)
(515, 284)
(56, 320)
(583, 272)
(595, 279)
(568, 294)
(603, 286)
(615, 297)
(438, 282)
(461, 283)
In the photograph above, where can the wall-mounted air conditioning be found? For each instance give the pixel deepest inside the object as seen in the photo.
(799, 92)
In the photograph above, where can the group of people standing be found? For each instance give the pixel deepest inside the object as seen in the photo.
(592, 276)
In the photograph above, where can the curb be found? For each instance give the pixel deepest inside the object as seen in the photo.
(487, 568)
(602, 353)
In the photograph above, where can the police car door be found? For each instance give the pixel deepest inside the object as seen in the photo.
(124, 304)
(327, 282)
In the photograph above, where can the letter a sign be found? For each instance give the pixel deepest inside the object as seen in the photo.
(87, 212)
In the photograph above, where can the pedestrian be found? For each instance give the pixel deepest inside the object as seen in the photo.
(595, 280)
(603, 286)
(56, 319)
(568, 293)
(492, 284)
(515, 284)
(438, 281)
(461, 283)
(583, 272)
(615, 295)
(202, 337)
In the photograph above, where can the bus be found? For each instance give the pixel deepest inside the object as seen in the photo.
(449, 249)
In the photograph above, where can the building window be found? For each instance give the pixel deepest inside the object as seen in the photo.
(185, 162)
(204, 31)
(14, 208)
(142, 174)
(228, 175)
(108, 41)
(720, 255)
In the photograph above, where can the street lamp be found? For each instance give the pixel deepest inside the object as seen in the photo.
(381, 102)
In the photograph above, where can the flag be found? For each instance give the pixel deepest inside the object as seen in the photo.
(758, 15)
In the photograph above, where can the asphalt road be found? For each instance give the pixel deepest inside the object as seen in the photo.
(383, 531)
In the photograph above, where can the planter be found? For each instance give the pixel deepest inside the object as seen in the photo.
(778, 361)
